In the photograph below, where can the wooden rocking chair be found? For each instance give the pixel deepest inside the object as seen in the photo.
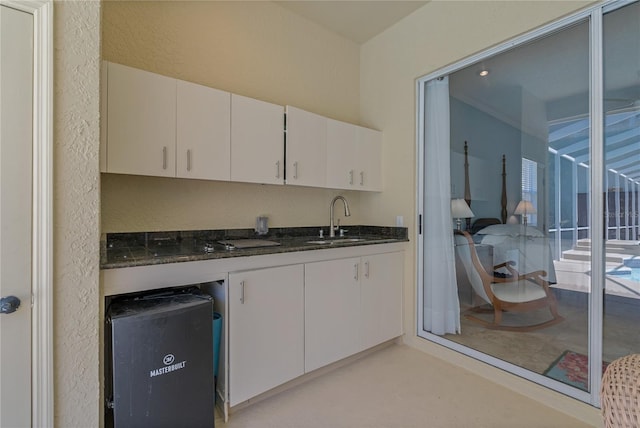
(515, 293)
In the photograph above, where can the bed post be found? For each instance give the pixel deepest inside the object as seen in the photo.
(503, 200)
(467, 190)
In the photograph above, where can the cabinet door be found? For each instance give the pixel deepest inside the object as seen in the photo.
(257, 141)
(266, 333)
(332, 311)
(341, 155)
(141, 135)
(369, 159)
(203, 148)
(381, 298)
(306, 148)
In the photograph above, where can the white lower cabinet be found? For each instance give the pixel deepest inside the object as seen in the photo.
(266, 330)
(381, 298)
(351, 305)
(331, 311)
(289, 320)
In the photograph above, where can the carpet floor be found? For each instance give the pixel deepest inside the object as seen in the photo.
(537, 350)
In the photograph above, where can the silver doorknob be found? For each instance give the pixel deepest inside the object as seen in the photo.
(9, 304)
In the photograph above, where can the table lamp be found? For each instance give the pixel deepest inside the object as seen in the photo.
(460, 210)
(523, 208)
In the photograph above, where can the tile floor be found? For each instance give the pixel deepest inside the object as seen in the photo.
(398, 387)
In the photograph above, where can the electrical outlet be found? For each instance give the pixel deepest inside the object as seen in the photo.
(399, 221)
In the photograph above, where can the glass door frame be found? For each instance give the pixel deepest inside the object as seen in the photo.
(594, 16)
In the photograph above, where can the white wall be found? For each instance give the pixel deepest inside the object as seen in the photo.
(438, 34)
(76, 213)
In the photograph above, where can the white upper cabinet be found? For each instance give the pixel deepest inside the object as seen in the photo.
(369, 159)
(341, 155)
(257, 135)
(203, 143)
(353, 157)
(160, 126)
(306, 148)
(141, 127)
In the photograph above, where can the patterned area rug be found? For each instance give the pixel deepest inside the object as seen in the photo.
(572, 368)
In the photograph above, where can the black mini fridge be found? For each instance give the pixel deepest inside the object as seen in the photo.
(159, 361)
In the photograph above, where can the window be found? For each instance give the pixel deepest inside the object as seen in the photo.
(530, 188)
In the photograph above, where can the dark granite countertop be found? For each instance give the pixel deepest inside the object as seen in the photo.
(120, 250)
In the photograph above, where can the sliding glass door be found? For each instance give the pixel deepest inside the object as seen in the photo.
(529, 116)
(542, 199)
(621, 103)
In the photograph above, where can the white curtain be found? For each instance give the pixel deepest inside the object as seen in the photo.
(441, 307)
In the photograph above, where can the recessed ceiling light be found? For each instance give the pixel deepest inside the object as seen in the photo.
(484, 73)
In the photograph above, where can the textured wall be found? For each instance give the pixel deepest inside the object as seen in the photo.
(256, 49)
(76, 213)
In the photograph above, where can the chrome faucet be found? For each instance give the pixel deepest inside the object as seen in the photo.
(347, 213)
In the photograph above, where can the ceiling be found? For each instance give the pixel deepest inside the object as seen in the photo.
(358, 21)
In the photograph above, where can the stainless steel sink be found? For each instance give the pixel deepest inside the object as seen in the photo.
(334, 241)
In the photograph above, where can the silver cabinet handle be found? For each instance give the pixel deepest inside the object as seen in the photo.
(164, 157)
(295, 170)
(351, 177)
(355, 271)
(242, 292)
(189, 160)
(278, 169)
(366, 270)
(362, 178)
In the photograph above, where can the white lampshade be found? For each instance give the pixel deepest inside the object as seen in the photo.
(460, 209)
(524, 208)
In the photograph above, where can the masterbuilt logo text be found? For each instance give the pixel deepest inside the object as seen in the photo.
(169, 366)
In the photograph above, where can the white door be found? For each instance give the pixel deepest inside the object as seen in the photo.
(16, 80)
